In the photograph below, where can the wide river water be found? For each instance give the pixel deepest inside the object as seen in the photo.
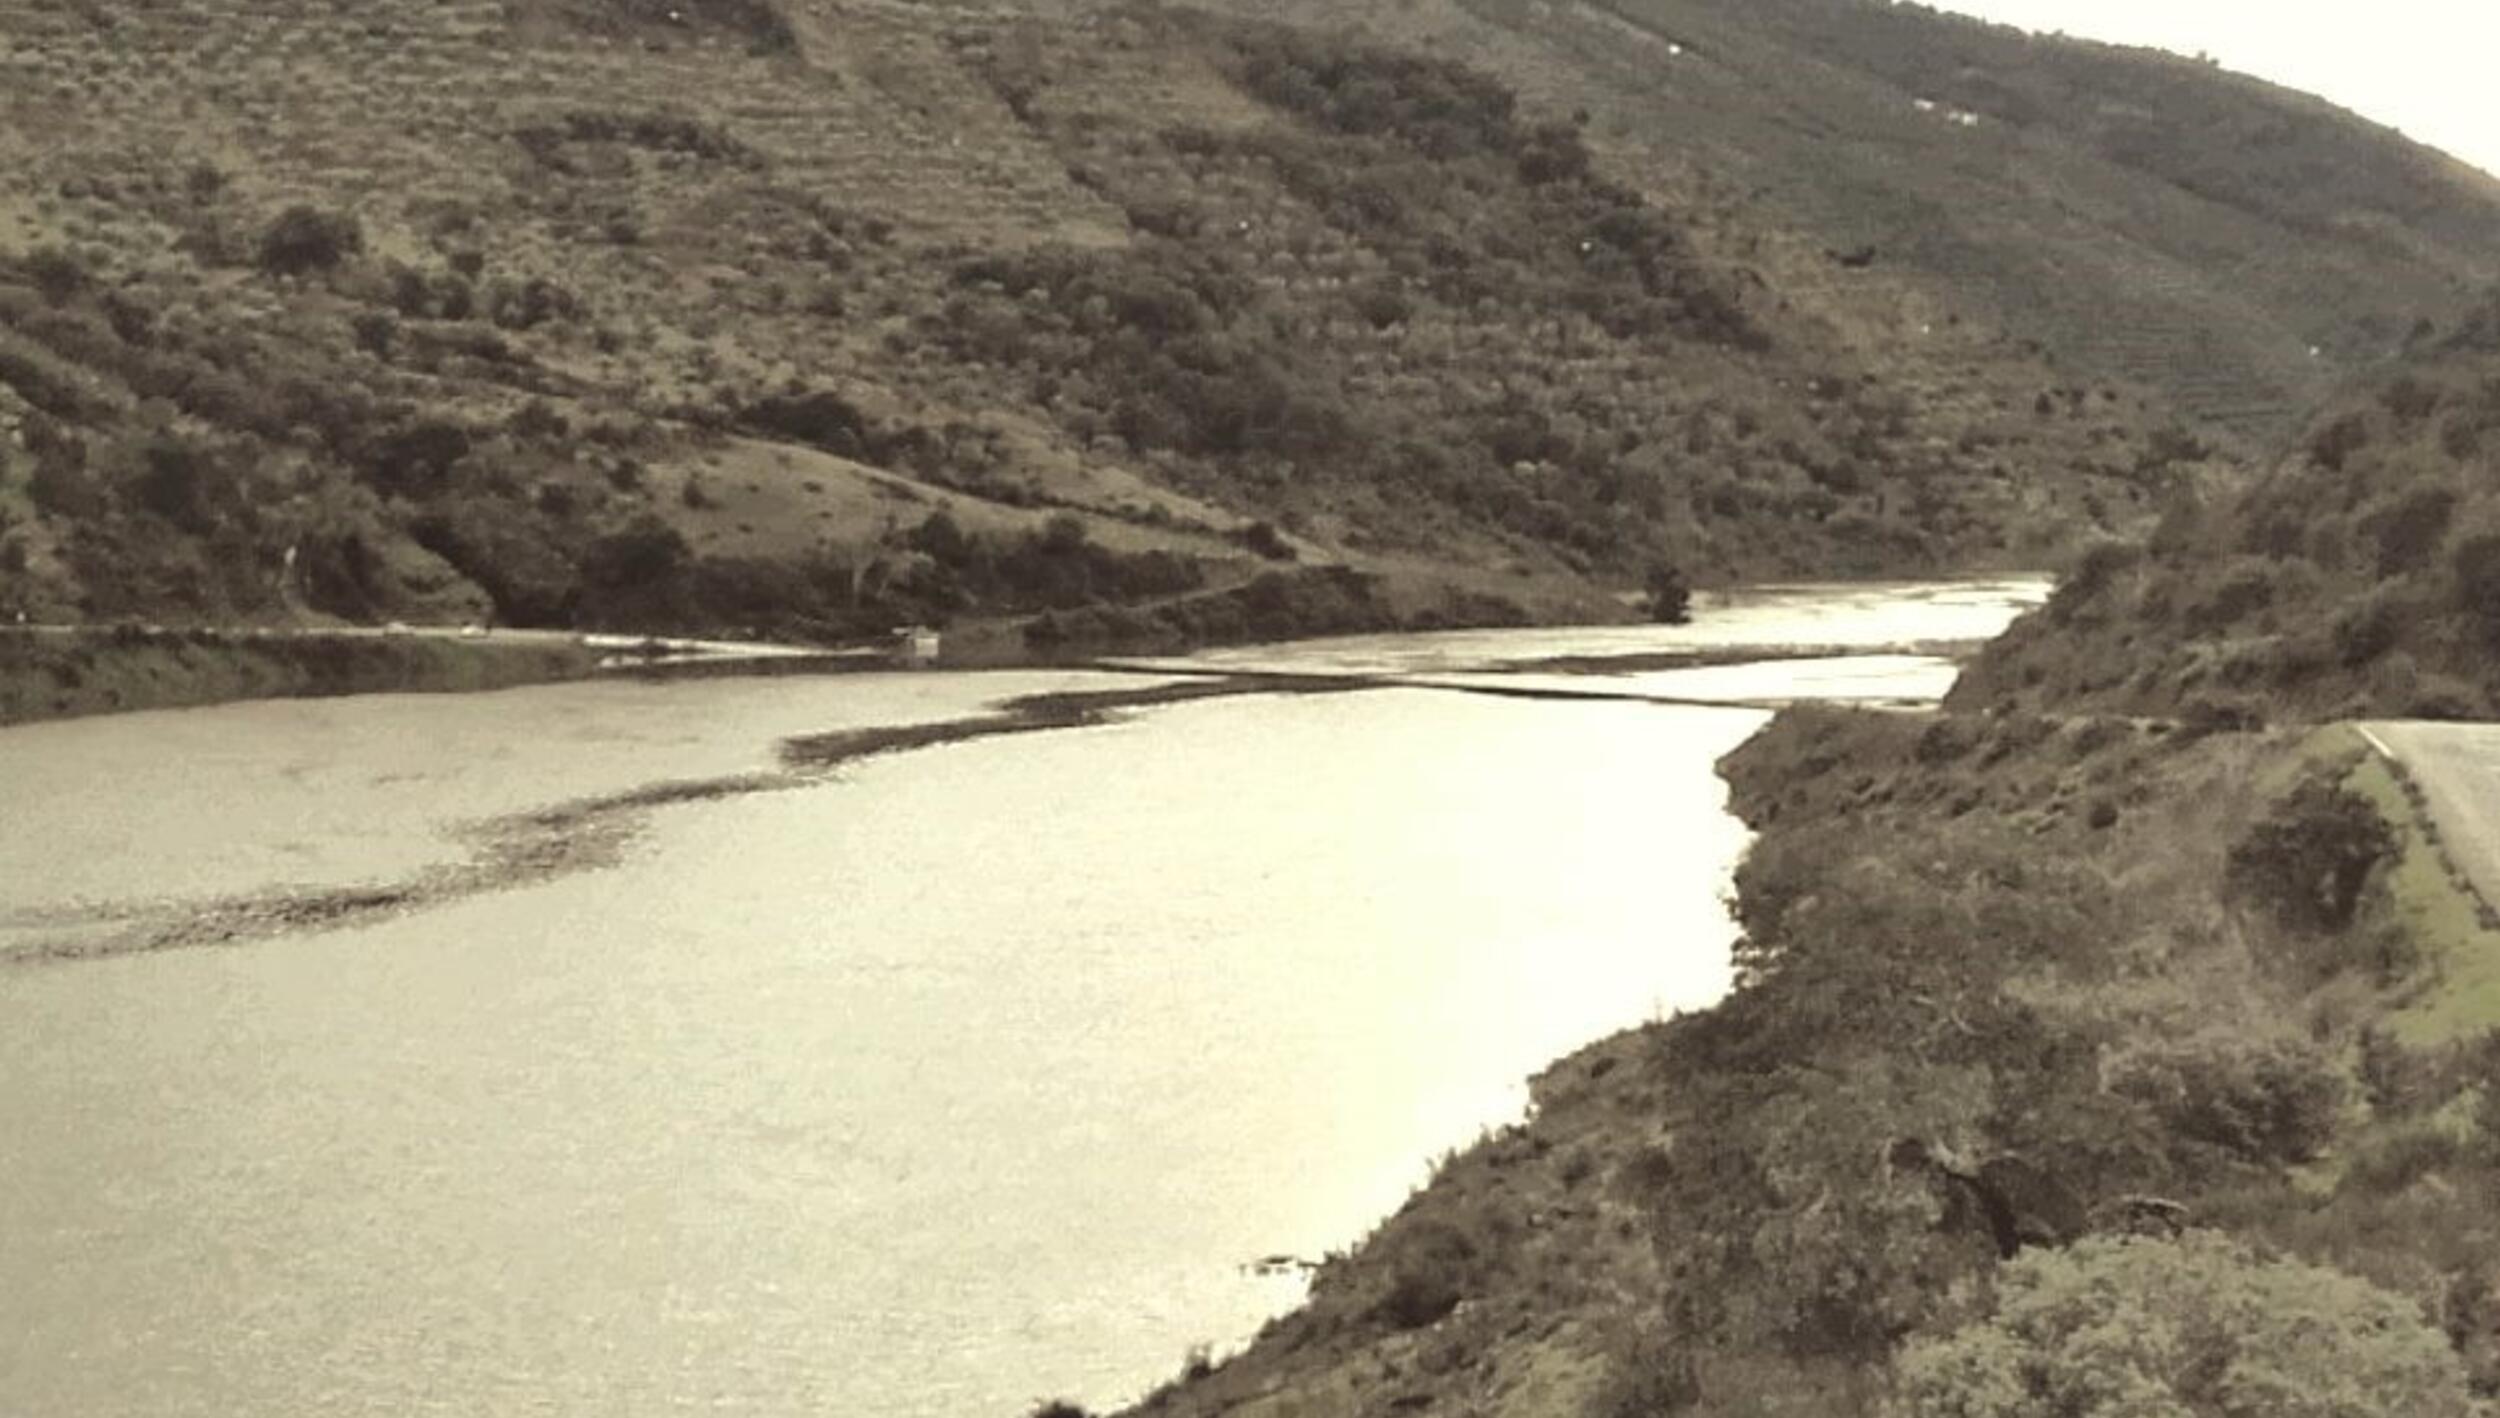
(935, 1084)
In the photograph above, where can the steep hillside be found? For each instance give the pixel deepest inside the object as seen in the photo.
(2359, 577)
(2017, 994)
(2150, 221)
(596, 312)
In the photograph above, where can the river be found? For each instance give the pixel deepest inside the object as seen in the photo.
(928, 1083)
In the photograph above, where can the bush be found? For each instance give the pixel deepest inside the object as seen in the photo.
(2094, 573)
(305, 239)
(415, 458)
(376, 332)
(2370, 629)
(2305, 863)
(2247, 587)
(182, 483)
(2408, 530)
(2331, 446)
(2201, 1327)
(819, 418)
(530, 304)
(643, 554)
(1264, 540)
(2271, 1103)
(1434, 1265)
(2475, 560)
(1649, 1373)
(1670, 599)
(530, 580)
(64, 488)
(56, 273)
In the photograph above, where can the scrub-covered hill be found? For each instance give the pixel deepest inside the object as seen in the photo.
(818, 317)
(2130, 994)
(2358, 577)
(2149, 220)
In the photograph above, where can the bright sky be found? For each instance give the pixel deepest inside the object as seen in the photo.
(2423, 66)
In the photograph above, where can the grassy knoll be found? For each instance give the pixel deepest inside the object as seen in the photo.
(48, 676)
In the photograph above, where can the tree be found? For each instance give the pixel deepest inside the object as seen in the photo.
(2307, 861)
(643, 554)
(2201, 1327)
(1670, 599)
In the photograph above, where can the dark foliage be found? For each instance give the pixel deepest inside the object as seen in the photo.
(2307, 861)
(1670, 597)
(305, 238)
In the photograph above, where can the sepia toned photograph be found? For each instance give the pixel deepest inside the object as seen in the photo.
(1249, 709)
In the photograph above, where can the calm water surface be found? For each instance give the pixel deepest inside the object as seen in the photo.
(966, 1077)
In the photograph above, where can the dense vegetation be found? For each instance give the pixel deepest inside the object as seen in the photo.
(2359, 577)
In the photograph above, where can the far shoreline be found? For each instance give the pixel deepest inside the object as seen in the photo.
(50, 673)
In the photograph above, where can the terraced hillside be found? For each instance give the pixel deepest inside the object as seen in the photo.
(2149, 220)
(831, 314)
(2358, 577)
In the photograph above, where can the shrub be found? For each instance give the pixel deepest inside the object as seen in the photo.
(1649, 1373)
(2365, 631)
(2247, 587)
(376, 332)
(1670, 599)
(1430, 1275)
(529, 304)
(2270, 1102)
(2201, 1327)
(1264, 540)
(2475, 560)
(2410, 529)
(64, 488)
(820, 418)
(644, 553)
(416, 458)
(2094, 573)
(56, 273)
(530, 580)
(182, 483)
(305, 238)
(2335, 443)
(2305, 863)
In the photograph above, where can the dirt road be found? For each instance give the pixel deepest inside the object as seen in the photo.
(2458, 768)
